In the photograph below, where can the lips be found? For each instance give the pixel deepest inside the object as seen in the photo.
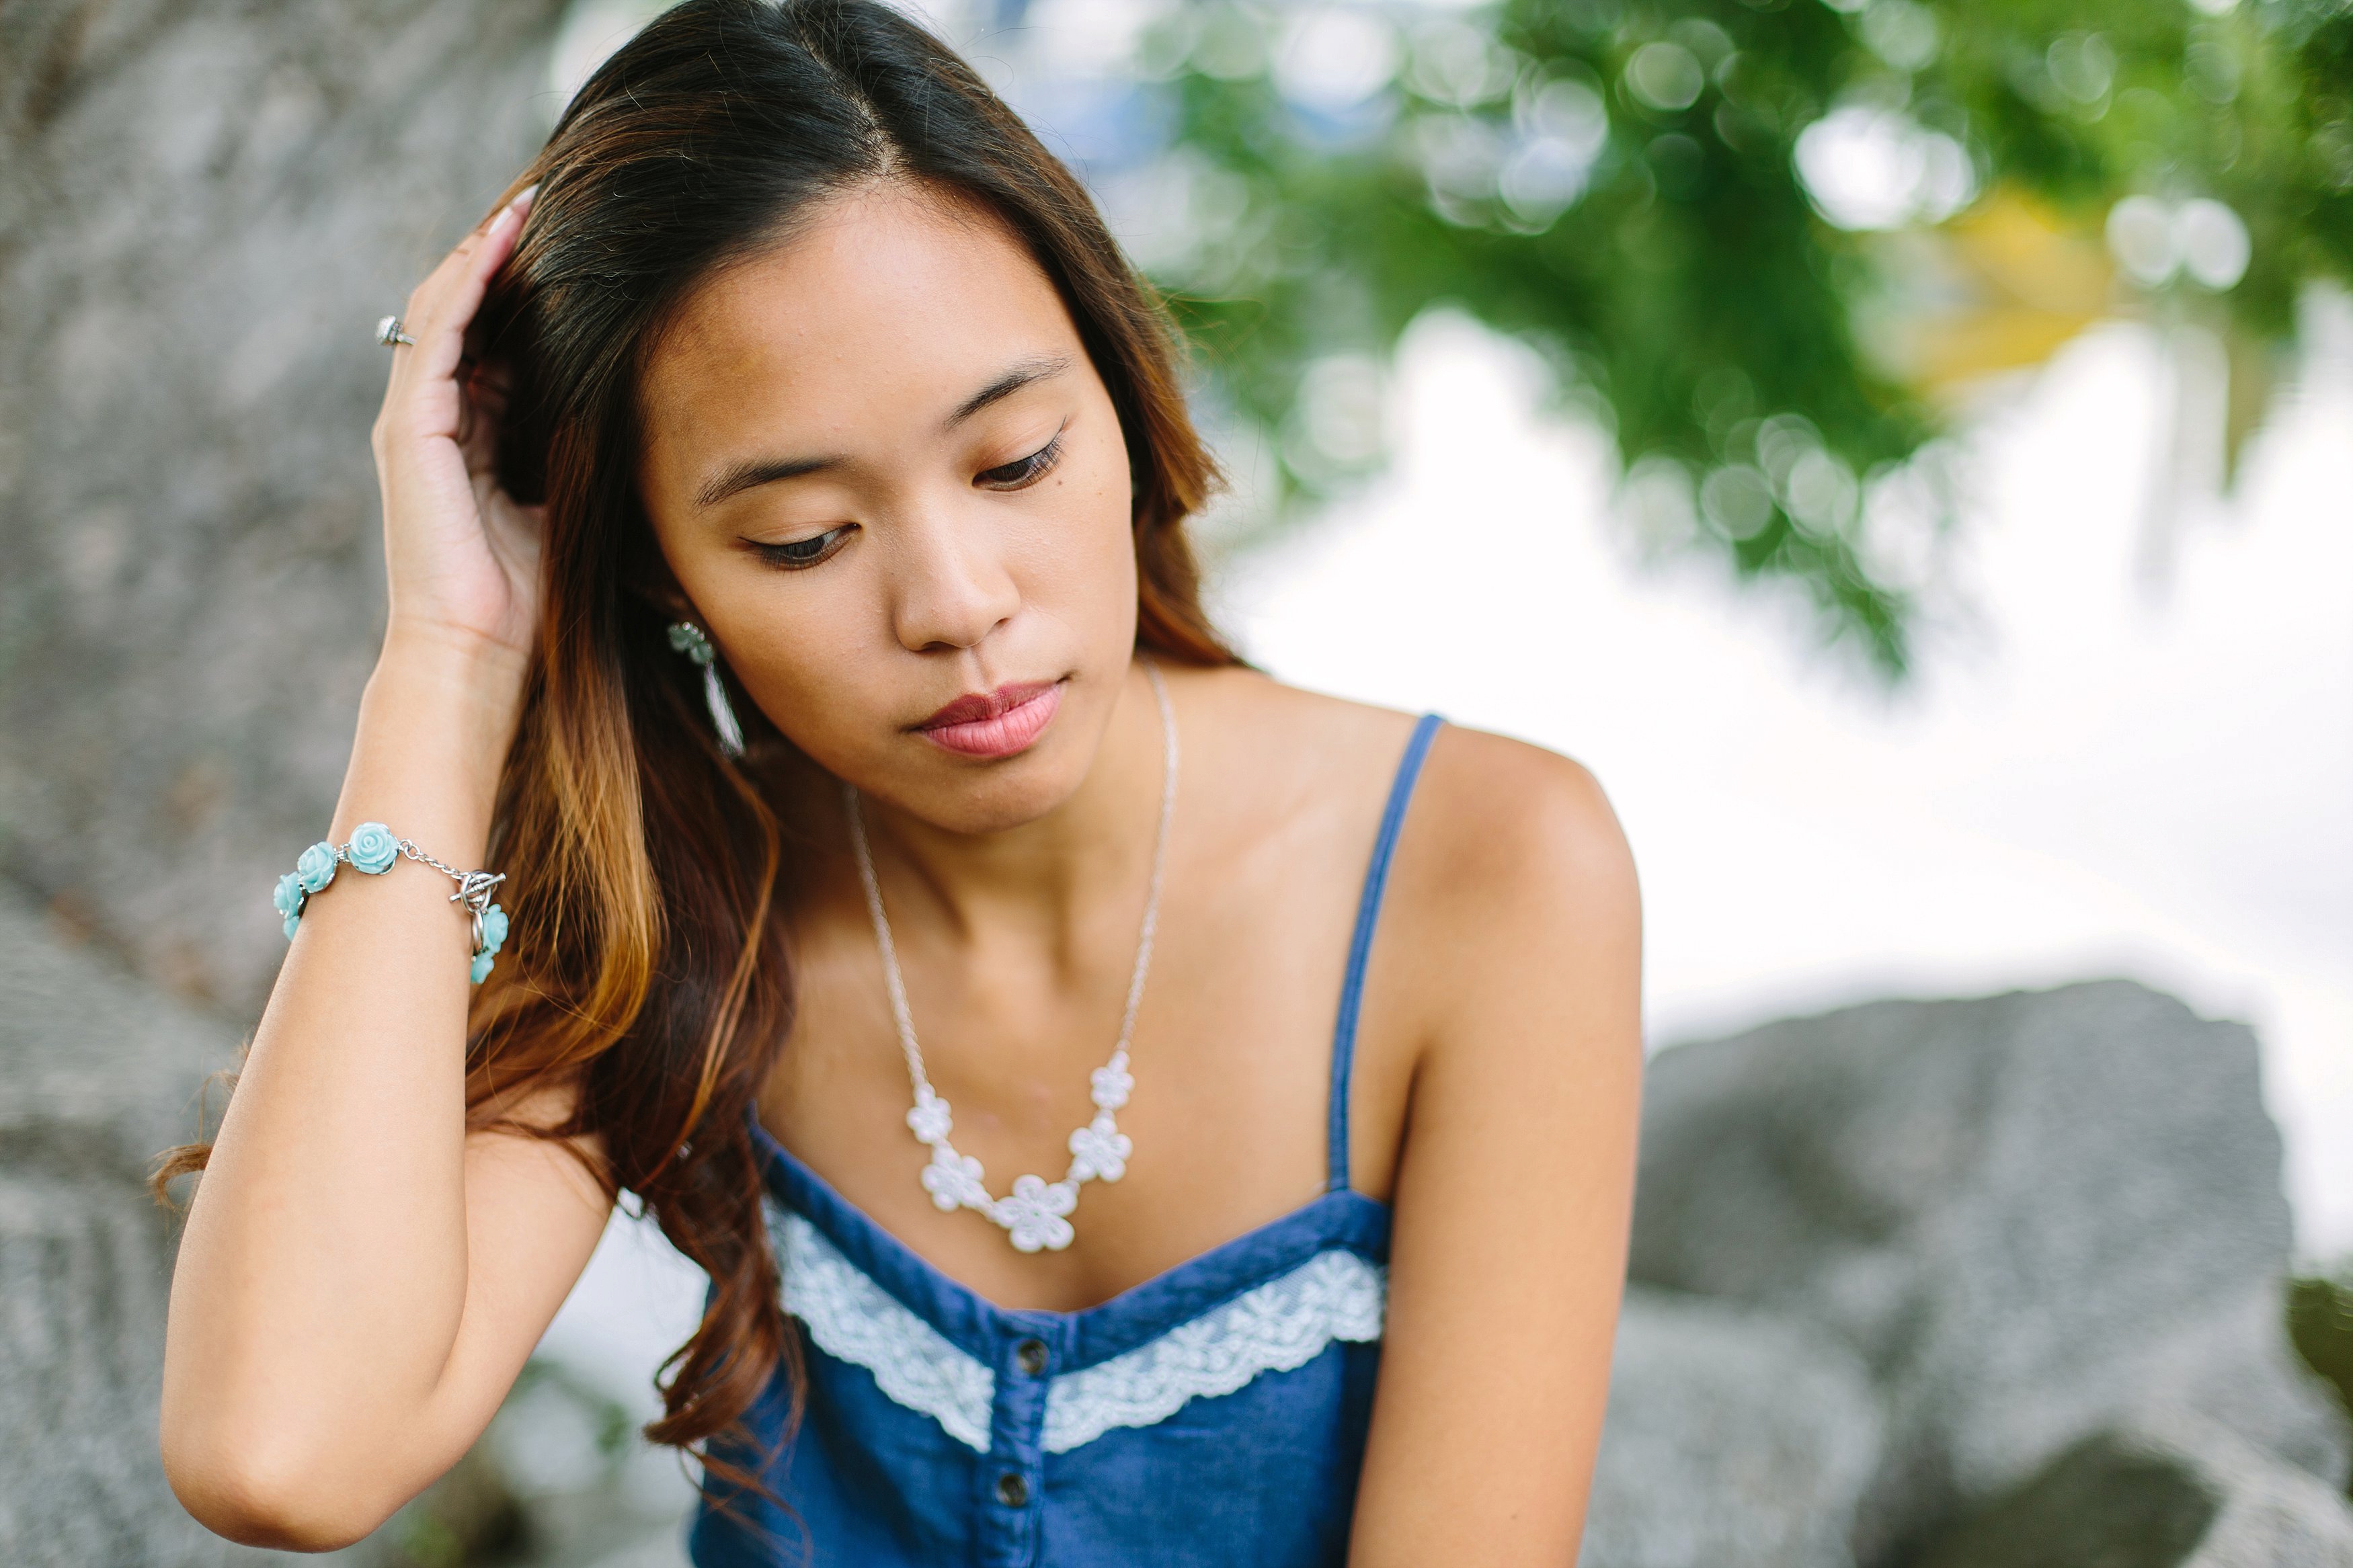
(997, 723)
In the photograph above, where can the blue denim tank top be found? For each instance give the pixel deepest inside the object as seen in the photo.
(1214, 1414)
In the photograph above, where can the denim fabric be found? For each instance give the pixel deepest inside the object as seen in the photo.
(1264, 1476)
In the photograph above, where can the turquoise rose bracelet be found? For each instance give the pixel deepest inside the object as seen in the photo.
(372, 850)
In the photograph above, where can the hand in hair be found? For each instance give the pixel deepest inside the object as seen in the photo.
(461, 555)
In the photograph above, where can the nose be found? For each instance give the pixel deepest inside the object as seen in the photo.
(953, 587)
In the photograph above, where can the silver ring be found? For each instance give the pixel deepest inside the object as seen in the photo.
(390, 331)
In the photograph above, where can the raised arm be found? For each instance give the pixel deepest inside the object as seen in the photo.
(360, 1279)
(1522, 930)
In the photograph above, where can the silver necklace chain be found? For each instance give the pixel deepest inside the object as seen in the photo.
(1035, 1215)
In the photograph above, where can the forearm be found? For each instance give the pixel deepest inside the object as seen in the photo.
(323, 1279)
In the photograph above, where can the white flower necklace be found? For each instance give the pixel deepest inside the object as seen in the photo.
(1035, 1214)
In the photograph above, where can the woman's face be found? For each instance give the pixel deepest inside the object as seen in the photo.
(881, 466)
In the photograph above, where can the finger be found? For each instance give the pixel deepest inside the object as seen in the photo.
(428, 307)
(422, 384)
(425, 301)
(467, 256)
(441, 335)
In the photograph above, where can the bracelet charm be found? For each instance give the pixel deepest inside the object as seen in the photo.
(372, 850)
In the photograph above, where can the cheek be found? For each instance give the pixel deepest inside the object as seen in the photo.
(819, 664)
(800, 654)
(1079, 557)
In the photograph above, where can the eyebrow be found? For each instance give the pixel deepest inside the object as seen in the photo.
(756, 471)
(1023, 373)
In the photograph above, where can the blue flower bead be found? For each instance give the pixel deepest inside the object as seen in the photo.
(316, 868)
(372, 848)
(494, 928)
(288, 897)
(481, 970)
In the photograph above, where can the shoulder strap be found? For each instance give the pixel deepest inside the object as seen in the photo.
(1360, 946)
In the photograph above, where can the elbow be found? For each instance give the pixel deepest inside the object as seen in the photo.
(266, 1493)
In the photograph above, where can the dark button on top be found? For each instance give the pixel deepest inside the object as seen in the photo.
(1032, 1354)
(1012, 1490)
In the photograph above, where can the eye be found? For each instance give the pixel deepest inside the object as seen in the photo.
(798, 554)
(1022, 472)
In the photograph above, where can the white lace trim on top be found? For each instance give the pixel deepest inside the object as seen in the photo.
(852, 1318)
(1280, 1325)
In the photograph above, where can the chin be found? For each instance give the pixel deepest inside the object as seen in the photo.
(995, 795)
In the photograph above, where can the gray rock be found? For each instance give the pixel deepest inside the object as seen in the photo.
(203, 211)
(100, 1072)
(2170, 1492)
(2031, 1215)
(1732, 1436)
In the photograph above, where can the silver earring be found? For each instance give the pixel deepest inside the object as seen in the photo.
(692, 641)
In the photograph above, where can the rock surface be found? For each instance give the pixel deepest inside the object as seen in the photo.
(203, 211)
(1732, 1436)
(96, 1074)
(2168, 1492)
(2032, 1216)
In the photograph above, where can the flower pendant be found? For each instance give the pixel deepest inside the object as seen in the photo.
(1036, 1214)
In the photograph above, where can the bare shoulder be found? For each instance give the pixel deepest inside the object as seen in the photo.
(1515, 888)
(1492, 812)
(1505, 820)
(1508, 849)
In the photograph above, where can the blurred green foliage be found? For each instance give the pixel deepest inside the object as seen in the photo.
(2320, 1323)
(469, 1518)
(480, 1514)
(1617, 182)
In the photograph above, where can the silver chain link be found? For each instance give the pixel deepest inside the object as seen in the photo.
(474, 887)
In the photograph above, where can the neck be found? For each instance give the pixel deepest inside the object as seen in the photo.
(1048, 875)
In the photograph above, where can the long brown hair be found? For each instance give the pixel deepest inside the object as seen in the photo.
(646, 975)
(650, 973)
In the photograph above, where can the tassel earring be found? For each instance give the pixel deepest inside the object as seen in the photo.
(692, 641)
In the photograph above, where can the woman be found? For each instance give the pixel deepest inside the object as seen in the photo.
(799, 617)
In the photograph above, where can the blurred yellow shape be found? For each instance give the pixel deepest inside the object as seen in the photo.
(1999, 289)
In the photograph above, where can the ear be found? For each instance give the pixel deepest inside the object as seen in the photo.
(647, 579)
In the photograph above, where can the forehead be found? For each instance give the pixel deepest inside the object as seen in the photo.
(880, 304)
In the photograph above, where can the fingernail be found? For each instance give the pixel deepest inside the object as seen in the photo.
(524, 198)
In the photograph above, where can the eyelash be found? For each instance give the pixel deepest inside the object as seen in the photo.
(1025, 471)
(790, 554)
(800, 554)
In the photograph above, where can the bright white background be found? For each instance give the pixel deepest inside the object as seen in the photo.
(2099, 769)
